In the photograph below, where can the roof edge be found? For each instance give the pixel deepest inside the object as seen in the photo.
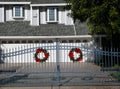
(55, 4)
(43, 37)
(15, 3)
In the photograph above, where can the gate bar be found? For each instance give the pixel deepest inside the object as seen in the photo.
(57, 62)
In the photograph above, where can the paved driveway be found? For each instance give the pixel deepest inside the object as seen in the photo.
(47, 74)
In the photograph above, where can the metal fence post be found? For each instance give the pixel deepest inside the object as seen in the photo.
(0, 53)
(57, 61)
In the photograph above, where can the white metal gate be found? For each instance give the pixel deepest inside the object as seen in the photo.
(20, 68)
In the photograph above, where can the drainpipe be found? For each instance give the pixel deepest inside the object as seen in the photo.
(74, 28)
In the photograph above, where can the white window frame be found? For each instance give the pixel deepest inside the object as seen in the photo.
(55, 15)
(21, 12)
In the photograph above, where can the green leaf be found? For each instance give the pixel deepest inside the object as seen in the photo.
(103, 15)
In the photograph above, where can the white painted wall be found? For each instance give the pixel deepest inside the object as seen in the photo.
(9, 17)
(64, 18)
(61, 15)
(68, 19)
(35, 16)
(7, 13)
(27, 13)
(8, 10)
(42, 15)
(2, 14)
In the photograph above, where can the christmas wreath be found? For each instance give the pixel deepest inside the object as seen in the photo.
(75, 52)
(43, 53)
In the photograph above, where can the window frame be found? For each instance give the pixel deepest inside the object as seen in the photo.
(21, 12)
(55, 15)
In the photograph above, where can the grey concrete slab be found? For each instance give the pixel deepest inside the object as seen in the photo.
(45, 74)
(65, 87)
(90, 87)
(25, 88)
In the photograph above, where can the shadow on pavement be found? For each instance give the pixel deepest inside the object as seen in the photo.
(12, 79)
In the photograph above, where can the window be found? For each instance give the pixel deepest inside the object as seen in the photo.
(18, 12)
(52, 14)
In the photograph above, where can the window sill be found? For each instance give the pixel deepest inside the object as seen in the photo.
(52, 21)
(18, 17)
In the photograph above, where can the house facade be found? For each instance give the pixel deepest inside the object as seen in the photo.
(43, 18)
(35, 11)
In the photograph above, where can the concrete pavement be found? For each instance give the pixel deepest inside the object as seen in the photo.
(65, 87)
(38, 75)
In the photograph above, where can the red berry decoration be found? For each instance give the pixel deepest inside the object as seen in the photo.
(72, 56)
(46, 55)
